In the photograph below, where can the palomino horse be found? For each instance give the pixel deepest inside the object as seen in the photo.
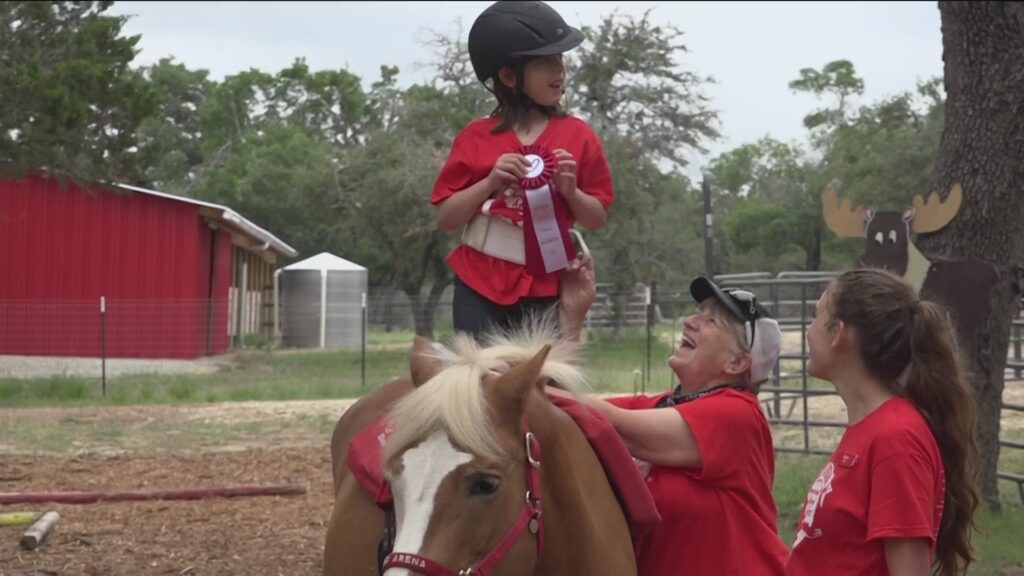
(487, 475)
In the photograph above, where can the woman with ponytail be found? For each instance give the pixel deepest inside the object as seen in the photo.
(898, 494)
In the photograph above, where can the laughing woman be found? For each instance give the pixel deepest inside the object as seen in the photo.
(705, 447)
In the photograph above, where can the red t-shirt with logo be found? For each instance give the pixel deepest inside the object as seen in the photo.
(719, 518)
(885, 480)
(473, 154)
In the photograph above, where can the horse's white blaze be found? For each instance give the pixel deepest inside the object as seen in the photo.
(423, 469)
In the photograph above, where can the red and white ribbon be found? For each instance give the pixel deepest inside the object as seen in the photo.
(541, 212)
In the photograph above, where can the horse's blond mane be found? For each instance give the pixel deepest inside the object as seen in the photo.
(453, 400)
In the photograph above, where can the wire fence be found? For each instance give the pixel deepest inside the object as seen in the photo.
(114, 328)
(640, 326)
(807, 414)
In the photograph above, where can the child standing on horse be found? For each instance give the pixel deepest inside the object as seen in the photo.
(516, 51)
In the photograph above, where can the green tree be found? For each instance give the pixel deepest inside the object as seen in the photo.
(386, 184)
(454, 77)
(760, 196)
(385, 188)
(283, 179)
(390, 208)
(69, 101)
(629, 81)
(838, 79)
(234, 110)
(886, 155)
(271, 145)
(650, 113)
(879, 154)
(170, 141)
(329, 104)
(767, 169)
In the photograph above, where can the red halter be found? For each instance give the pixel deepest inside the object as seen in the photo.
(529, 516)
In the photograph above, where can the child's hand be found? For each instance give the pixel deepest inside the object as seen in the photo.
(565, 174)
(508, 169)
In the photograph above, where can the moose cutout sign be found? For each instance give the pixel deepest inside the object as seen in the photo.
(962, 286)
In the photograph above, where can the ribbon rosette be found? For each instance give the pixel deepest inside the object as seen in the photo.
(542, 167)
(546, 216)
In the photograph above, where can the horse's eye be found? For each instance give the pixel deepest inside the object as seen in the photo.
(481, 485)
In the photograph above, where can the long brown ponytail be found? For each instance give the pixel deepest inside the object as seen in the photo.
(910, 345)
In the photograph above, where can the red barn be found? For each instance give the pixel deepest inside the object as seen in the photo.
(178, 277)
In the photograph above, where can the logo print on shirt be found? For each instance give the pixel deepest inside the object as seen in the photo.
(513, 196)
(508, 205)
(821, 488)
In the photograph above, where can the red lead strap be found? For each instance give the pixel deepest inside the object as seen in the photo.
(529, 516)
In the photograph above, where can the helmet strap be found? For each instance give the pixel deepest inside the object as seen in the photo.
(488, 88)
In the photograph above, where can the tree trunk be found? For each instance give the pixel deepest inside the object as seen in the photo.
(422, 314)
(423, 309)
(618, 302)
(982, 148)
(388, 308)
(441, 278)
(813, 261)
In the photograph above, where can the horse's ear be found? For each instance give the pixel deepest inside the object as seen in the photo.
(513, 387)
(422, 365)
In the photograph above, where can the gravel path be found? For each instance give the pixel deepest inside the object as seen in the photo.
(49, 366)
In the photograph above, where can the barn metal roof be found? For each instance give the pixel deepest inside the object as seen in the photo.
(226, 215)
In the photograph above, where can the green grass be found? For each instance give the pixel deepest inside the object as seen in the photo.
(619, 366)
(256, 376)
(296, 375)
(59, 389)
(611, 366)
(794, 474)
(998, 545)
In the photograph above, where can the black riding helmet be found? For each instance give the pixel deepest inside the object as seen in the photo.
(509, 30)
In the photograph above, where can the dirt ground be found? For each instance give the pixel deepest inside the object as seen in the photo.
(255, 535)
(274, 535)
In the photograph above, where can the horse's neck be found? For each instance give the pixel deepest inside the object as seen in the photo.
(585, 531)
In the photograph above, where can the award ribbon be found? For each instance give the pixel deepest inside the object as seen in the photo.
(548, 245)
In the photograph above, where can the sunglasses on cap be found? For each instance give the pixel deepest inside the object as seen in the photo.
(748, 306)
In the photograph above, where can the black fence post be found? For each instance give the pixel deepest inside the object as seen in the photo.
(803, 360)
(773, 295)
(709, 262)
(649, 300)
(1018, 327)
(103, 344)
(363, 360)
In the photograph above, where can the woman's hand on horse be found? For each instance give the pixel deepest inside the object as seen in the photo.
(578, 289)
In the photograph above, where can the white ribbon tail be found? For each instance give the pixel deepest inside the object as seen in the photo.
(545, 228)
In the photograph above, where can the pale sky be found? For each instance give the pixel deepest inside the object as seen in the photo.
(752, 50)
